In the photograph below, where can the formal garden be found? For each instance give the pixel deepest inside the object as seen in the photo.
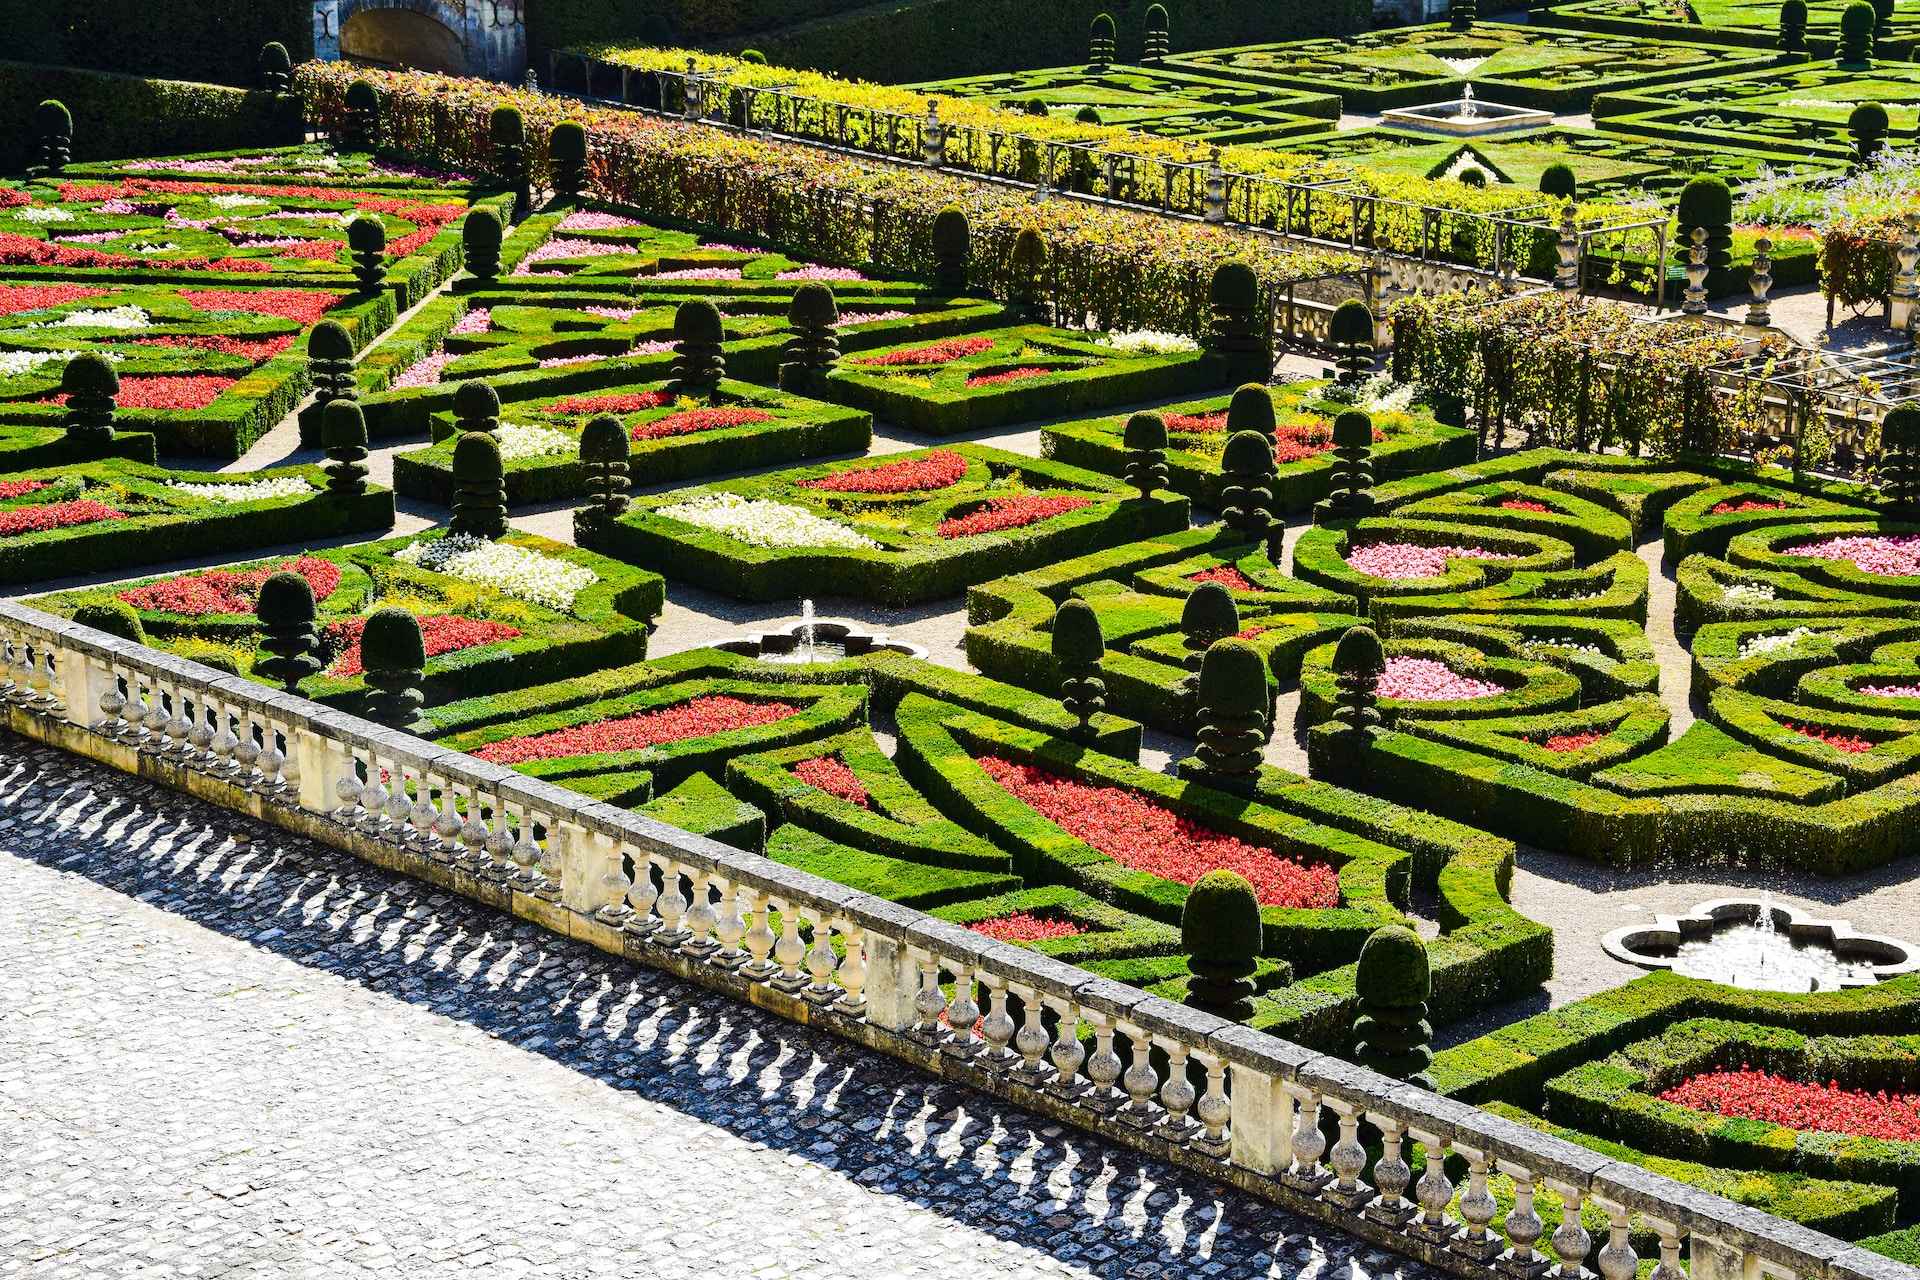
(1192, 609)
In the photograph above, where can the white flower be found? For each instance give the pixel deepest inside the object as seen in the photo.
(1150, 342)
(15, 363)
(514, 571)
(109, 318)
(1761, 645)
(253, 491)
(1567, 646)
(236, 201)
(1381, 394)
(1746, 593)
(759, 522)
(519, 441)
(155, 248)
(41, 213)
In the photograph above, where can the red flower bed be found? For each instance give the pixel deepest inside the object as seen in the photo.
(227, 590)
(15, 298)
(1846, 742)
(632, 402)
(1009, 375)
(444, 633)
(1745, 505)
(165, 391)
(1572, 741)
(304, 306)
(258, 350)
(831, 775)
(1819, 1108)
(941, 469)
(1144, 836)
(1248, 633)
(694, 420)
(944, 352)
(56, 515)
(25, 251)
(698, 718)
(1227, 576)
(14, 198)
(1009, 513)
(1526, 504)
(311, 251)
(1024, 926)
(1196, 424)
(20, 488)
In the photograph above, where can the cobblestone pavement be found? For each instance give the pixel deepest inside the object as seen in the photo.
(226, 1051)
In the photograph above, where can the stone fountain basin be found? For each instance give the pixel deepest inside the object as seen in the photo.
(1447, 118)
(839, 639)
(1656, 945)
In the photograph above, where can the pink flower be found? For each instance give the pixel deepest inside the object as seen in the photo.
(698, 273)
(1795, 1104)
(850, 318)
(1891, 690)
(424, 372)
(55, 515)
(1008, 375)
(940, 469)
(1409, 560)
(478, 320)
(614, 313)
(1427, 680)
(1226, 575)
(945, 351)
(818, 272)
(1895, 555)
(696, 420)
(593, 220)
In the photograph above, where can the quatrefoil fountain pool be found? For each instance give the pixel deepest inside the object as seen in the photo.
(1763, 946)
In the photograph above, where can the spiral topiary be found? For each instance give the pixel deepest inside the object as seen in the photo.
(1221, 933)
(1233, 711)
(1102, 40)
(1351, 495)
(360, 125)
(815, 346)
(1233, 296)
(604, 450)
(90, 386)
(1793, 26)
(1246, 490)
(1078, 647)
(343, 433)
(1145, 439)
(1358, 663)
(479, 487)
(698, 360)
(1393, 980)
(1868, 124)
(52, 137)
(1708, 202)
(1899, 469)
(1557, 179)
(1857, 22)
(952, 246)
(367, 239)
(1159, 34)
(1351, 332)
(394, 654)
(274, 67)
(480, 238)
(286, 612)
(507, 131)
(112, 617)
(1462, 14)
(1027, 267)
(567, 157)
(330, 363)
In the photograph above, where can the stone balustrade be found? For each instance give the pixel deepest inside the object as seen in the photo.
(1157, 1076)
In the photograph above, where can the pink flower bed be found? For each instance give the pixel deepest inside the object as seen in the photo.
(1009, 513)
(698, 273)
(1895, 555)
(1196, 424)
(1406, 560)
(1891, 690)
(15, 298)
(818, 272)
(1024, 926)
(1427, 680)
(945, 351)
(850, 318)
(1525, 504)
(1795, 1104)
(695, 420)
(650, 348)
(1227, 576)
(425, 372)
(443, 633)
(1572, 741)
(591, 220)
(555, 362)
(477, 320)
(1852, 744)
(831, 775)
(20, 488)
(1144, 836)
(625, 402)
(697, 718)
(56, 515)
(1008, 375)
(941, 469)
(614, 313)
(228, 590)
(558, 249)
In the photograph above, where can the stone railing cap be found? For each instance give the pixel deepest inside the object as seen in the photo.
(1245, 1047)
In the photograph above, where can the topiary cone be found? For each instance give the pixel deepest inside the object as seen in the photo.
(1221, 933)
(1251, 409)
(476, 407)
(367, 239)
(699, 361)
(1145, 439)
(1209, 615)
(604, 450)
(1557, 179)
(1393, 980)
(90, 386)
(1246, 493)
(479, 487)
(952, 248)
(343, 433)
(1078, 647)
(286, 611)
(481, 236)
(394, 655)
(1233, 710)
(1233, 297)
(567, 155)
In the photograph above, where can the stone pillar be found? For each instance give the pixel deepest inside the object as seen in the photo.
(1760, 284)
(1567, 276)
(933, 138)
(1216, 190)
(1261, 1130)
(1903, 302)
(1695, 303)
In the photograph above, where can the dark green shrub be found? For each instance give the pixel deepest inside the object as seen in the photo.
(567, 157)
(1899, 470)
(286, 612)
(275, 67)
(815, 346)
(1708, 202)
(1793, 26)
(367, 238)
(1234, 298)
(330, 363)
(1883, 19)
(90, 385)
(480, 239)
(1209, 616)
(698, 360)
(1102, 40)
(1393, 980)
(1251, 409)
(1221, 934)
(53, 137)
(1035, 107)
(1868, 125)
(1358, 664)
(1351, 495)
(952, 246)
(114, 617)
(1857, 22)
(1159, 34)
(361, 127)
(1246, 491)
(507, 131)
(343, 433)
(753, 56)
(1078, 647)
(1145, 439)
(1351, 332)
(1557, 180)
(1027, 267)
(1087, 115)
(394, 654)
(1462, 14)
(1232, 712)
(1473, 176)
(604, 450)
(476, 407)
(479, 487)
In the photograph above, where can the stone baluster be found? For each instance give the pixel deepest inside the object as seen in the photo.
(10, 648)
(1477, 1208)
(473, 835)
(1903, 301)
(1567, 272)
(929, 1004)
(1668, 1267)
(933, 137)
(789, 951)
(276, 759)
(821, 962)
(1391, 1173)
(1177, 1094)
(226, 746)
(1140, 1081)
(1309, 1144)
(1617, 1260)
(1523, 1227)
(1214, 1110)
(614, 881)
(1215, 199)
(501, 862)
(1571, 1239)
(998, 1029)
(853, 971)
(1348, 1158)
(730, 927)
(377, 799)
(421, 815)
(346, 788)
(135, 713)
(526, 852)
(246, 751)
(110, 702)
(1760, 284)
(642, 894)
(1031, 1041)
(672, 905)
(179, 725)
(553, 860)
(701, 918)
(446, 826)
(962, 1012)
(1695, 301)
(1104, 1066)
(759, 942)
(1434, 1192)
(1066, 1052)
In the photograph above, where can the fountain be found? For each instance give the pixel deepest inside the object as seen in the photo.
(1466, 117)
(1762, 946)
(810, 641)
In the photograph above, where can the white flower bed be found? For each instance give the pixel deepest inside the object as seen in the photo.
(521, 441)
(15, 363)
(1381, 394)
(253, 491)
(44, 213)
(1568, 646)
(1746, 593)
(236, 200)
(1150, 342)
(1776, 642)
(759, 522)
(514, 571)
(107, 318)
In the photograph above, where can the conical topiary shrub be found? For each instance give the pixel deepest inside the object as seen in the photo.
(1102, 39)
(1220, 932)
(1251, 409)
(815, 346)
(476, 407)
(1351, 494)
(567, 157)
(1358, 663)
(330, 363)
(1146, 442)
(1708, 202)
(1462, 14)
(1857, 22)
(699, 361)
(1793, 26)
(952, 249)
(394, 654)
(52, 137)
(1867, 123)
(343, 434)
(481, 236)
(1246, 489)
(286, 611)
(604, 450)
(361, 124)
(90, 386)
(507, 130)
(1883, 11)
(1393, 980)
(1899, 469)
(1233, 296)
(367, 239)
(1232, 712)
(1159, 35)
(1078, 647)
(1027, 266)
(274, 67)
(1209, 616)
(1557, 180)
(1351, 332)
(479, 487)
(114, 617)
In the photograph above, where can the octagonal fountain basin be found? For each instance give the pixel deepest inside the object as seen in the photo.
(812, 642)
(1465, 118)
(1762, 946)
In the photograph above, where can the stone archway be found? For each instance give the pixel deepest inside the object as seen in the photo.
(466, 37)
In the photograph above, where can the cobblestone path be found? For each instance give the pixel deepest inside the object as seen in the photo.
(225, 1051)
